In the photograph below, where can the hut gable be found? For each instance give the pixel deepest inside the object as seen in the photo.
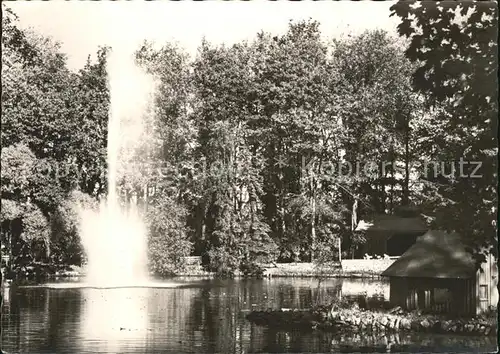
(436, 254)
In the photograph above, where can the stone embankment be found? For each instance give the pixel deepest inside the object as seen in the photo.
(349, 268)
(359, 321)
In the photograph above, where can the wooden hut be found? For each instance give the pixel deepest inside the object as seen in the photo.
(437, 275)
(390, 234)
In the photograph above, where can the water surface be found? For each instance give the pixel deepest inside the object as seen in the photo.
(201, 316)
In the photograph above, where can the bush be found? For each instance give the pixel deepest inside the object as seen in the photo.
(168, 243)
(223, 262)
(251, 270)
(341, 303)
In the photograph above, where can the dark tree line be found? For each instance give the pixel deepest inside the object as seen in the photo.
(249, 135)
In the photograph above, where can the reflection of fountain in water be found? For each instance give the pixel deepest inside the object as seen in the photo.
(115, 320)
(114, 237)
(127, 320)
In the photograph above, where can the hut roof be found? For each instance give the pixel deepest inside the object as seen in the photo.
(436, 254)
(393, 224)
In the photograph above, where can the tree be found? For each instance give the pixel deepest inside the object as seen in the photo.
(18, 172)
(377, 111)
(232, 230)
(455, 47)
(168, 242)
(35, 234)
(90, 112)
(50, 134)
(11, 213)
(18, 178)
(168, 151)
(293, 124)
(65, 228)
(169, 133)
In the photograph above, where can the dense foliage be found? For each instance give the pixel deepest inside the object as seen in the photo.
(261, 150)
(455, 46)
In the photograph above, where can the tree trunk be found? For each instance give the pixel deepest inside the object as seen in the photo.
(47, 249)
(354, 218)
(145, 198)
(9, 265)
(382, 191)
(406, 186)
(339, 241)
(354, 224)
(392, 190)
(313, 226)
(282, 205)
(282, 216)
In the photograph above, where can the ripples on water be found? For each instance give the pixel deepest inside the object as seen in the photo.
(199, 317)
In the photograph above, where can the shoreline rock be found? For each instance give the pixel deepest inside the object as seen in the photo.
(357, 320)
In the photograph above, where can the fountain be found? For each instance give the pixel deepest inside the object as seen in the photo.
(114, 237)
(115, 243)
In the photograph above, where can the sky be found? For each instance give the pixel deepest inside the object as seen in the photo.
(81, 26)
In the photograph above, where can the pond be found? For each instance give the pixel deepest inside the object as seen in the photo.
(197, 316)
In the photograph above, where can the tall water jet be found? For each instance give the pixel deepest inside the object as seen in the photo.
(114, 237)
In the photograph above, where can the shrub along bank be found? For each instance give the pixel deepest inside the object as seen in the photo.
(354, 320)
